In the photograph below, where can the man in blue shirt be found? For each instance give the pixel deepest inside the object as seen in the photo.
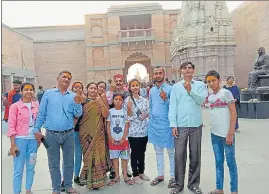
(159, 130)
(143, 90)
(185, 116)
(56, 114)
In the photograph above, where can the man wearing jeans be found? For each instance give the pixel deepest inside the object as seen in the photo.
(57, 110)
(185, 116)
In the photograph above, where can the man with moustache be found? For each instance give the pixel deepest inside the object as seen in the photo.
(159, 130)
(119, 88)
(57, 110)
(11, 97)
(119, 82)
(185, 116)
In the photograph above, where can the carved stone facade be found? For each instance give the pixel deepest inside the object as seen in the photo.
(106, 44)
(110, 43)
(204, 35)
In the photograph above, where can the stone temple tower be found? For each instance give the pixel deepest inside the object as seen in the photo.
(205, 36)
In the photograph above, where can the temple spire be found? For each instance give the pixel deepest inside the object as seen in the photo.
(204, 35)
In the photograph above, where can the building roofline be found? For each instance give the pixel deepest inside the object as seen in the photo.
(242, 5)
(16, 31)
(59, 26)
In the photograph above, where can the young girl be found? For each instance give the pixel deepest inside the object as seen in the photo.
(22, 116)
(117, 130)
(137, 110)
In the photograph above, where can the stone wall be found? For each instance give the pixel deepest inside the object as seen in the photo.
(51, 58)
(17, 58)
(17, 49)
(251, 23)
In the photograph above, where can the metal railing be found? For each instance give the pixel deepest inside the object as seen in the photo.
(136, 33)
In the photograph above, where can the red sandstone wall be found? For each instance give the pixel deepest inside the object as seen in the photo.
(251, 23)
(51, 58)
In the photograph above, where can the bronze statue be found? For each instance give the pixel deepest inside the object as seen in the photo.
(261, 67)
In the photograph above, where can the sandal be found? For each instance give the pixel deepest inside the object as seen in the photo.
(129, 181)
(73, 191)
(113, 182)
(215, 192)
(156, 181)
(196, 190)
(176, 190)
(172, 183)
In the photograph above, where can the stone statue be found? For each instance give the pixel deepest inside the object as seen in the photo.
(261, 67)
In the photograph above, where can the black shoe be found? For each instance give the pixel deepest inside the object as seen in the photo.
(129, 174)
(62, 188)
(112, 175)
(76, 180)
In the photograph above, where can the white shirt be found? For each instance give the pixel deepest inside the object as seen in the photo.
(117, 123)
(31, 124)
(219, 112)
(138, 127)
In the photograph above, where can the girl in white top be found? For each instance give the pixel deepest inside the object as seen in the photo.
(137, 111)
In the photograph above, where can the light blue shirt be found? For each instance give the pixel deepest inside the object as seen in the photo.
(159, 130)
(143, 92)
(57, 111)
(185, 108)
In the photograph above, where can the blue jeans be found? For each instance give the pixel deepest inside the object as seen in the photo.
(160, 160)
(28, 150)
(78, 154)
(219, 147)
(66, 142)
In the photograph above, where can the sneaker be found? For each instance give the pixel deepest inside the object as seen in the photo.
(62, 188)
(144, 177)
(137, 180)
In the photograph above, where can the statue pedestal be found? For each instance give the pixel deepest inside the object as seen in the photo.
(254, 110)
(261, 93)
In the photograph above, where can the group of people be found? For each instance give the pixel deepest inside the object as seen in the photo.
(101, 127)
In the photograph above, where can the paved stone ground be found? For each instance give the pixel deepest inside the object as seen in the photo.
(252, 152)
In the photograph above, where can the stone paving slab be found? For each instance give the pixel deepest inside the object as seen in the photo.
(252, 152)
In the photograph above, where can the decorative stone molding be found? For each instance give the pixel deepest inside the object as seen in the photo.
(205, 36)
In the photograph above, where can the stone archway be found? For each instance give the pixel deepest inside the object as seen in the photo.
(137, 57)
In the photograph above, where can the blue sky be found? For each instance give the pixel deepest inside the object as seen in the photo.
(50, 13)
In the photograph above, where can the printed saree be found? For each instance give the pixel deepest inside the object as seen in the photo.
(94, 147)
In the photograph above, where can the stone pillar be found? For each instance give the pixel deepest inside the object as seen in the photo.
(24, 79)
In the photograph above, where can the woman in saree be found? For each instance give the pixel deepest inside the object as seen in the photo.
(92, 137)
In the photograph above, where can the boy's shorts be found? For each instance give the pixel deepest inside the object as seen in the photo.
(123, 154)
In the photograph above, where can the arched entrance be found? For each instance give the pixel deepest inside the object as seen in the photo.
(140, 58)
